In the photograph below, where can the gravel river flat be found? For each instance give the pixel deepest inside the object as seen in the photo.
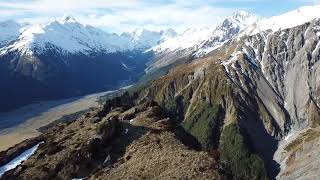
(22, 123)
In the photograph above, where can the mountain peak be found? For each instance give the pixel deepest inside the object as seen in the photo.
(244, 17)
(68, 19)
(239, 20)
(242, 14)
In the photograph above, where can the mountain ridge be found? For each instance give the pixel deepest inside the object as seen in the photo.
(252, 102)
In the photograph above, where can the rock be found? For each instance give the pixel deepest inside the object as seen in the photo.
(53, 148)
(299, 156)
(113, 118)
(155, 111)
(95, 145)
(95, 141)
(108, 129)
(129, 114)
(124, 101)
(95, 119)
(165, 123)
(88, 114)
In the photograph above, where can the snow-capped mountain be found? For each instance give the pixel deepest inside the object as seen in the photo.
(144, 39)
(205, 39)
(285, 21)
(199, 41)
(69, 36)
(187, 39)
(64, 58)
(48, 51)
(228, 29)
(66, 35)
(258, 85)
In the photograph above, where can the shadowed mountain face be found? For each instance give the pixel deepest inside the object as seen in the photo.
(30, 78)
(65, 58)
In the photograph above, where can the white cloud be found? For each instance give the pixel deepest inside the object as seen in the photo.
(307, 2)
(119, 15)
(122, 15)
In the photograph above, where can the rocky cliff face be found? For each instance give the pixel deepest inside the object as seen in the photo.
(206, 98)
(289, 60)
(266, 83)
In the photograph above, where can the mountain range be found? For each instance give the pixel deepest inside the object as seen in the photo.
(247, 92)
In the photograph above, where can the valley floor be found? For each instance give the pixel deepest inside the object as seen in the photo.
(23, 123)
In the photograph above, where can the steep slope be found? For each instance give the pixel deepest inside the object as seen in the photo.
(206, 98)
(289, 61)
(266, 84)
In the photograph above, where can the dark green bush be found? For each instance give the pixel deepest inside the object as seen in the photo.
(175, 108)
(236, 155)
(203, 124)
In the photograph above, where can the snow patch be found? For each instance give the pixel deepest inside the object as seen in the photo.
(69, 36)
(285, 21)
(132, 120)
(145, 39)
(206, 39)
(125, 66)
(288, 136)
(185, 40)
(231, 60)
(19, 159)
(252, 60)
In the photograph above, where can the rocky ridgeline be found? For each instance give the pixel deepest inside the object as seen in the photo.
(119, 140)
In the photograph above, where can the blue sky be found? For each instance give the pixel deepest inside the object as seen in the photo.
(124, 15)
